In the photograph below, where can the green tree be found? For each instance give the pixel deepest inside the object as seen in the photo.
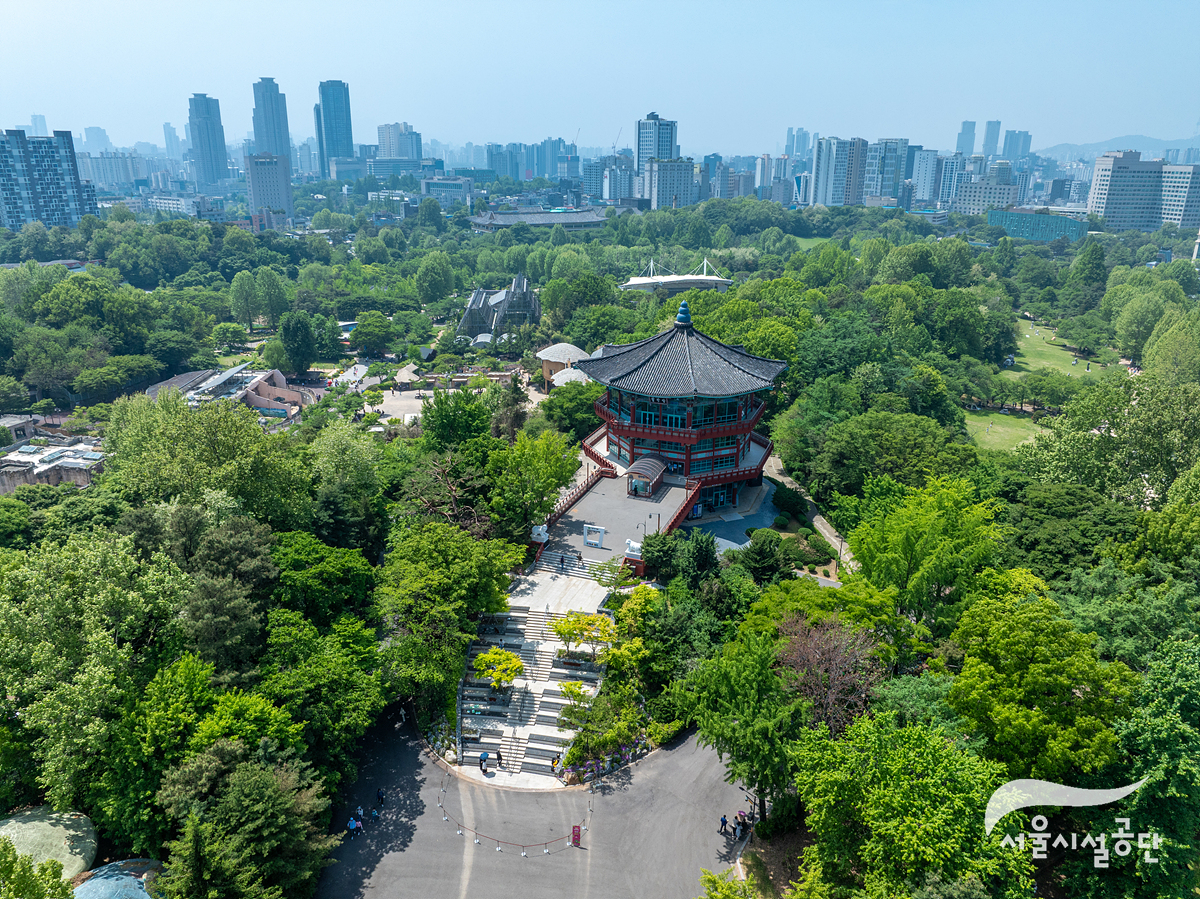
(435, 277)
(272, 295)
(571, 408)
(452, 417)
(429, 215)
(928, 547)
(229, 336)
(296, 334)
(373, 334)
(152, 737)
(243, 299)
(873, 796)
(322, 582)
(742, 710)
(527, 478)
(1035, 688)
(20, 879)
(331, 684)
(500, 666)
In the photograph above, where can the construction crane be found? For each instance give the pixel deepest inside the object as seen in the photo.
(618, 140)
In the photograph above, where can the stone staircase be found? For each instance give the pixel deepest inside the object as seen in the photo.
(572, 566)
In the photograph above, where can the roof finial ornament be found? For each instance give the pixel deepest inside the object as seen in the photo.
(684, 318)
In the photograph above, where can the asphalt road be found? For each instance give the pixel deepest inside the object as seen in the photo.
(651, 828)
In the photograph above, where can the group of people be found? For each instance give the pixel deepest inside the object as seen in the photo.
(741, 827)
(356, 822)
(483, 761)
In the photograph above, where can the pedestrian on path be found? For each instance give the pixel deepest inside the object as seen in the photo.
(374, 816)
(483, 762)
(554, 763)
(499, 759)
(724, 825)
(379, 796)
(352, 826)
(359, 813)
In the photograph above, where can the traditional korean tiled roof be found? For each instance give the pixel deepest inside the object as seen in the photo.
(682, 362)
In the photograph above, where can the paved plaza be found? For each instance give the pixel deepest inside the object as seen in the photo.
(651, 827)
(623, 517)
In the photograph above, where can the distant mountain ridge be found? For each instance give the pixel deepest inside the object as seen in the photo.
(1151, 147)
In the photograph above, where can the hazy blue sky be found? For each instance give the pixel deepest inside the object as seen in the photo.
(734, 74)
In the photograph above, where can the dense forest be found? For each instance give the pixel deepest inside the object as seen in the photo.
(194, 644)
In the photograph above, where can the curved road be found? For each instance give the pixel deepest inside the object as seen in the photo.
(651, 828)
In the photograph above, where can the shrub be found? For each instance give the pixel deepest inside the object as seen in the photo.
(812, 569)
(781, 521)
(821, 546)
(663, 732)
(824, 572)
(805, 532)
(789, 501)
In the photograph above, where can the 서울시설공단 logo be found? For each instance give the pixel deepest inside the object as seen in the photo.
(1018, 794)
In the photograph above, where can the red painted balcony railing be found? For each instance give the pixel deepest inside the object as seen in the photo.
(693, 494)
(679, 435)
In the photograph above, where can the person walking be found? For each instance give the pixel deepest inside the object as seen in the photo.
(374, 816)
(483, 762)
(499, 759)
(352, 826)
(554, 763)
(724, 825)
(359, 813)
(379, 796)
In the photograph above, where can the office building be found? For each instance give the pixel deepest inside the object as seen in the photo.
(449, 191)
(269, 180)
(656, 138)
(39, 125)
(924, 176)
(112, 171)
(271, 134)
(39, 182)
(1144, 194)
(762, 176)
(209, 161)
(994, 191)
(619, 183)
(1037, 226)
(883, 173)
(838, 169)
(966, 139)
(95, 140)
(789, 146)
(800, 149)
(331, 118)
(953, 173)
(171, 142)
(991, 139)
(567, 167)
(1016, 145)
(669, 183)
(400, 141)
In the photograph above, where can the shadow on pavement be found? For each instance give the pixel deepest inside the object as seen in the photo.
(393, 755)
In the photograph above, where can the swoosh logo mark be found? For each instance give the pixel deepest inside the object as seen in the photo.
(1018, 794)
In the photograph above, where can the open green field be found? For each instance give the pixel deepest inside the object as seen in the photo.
(807, 243)
(997, 431)
(1035, 353)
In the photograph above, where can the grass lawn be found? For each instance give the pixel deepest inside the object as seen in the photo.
(995, 430)
(1035, 353)
(807, 243)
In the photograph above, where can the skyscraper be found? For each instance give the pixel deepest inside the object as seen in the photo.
(271, 134)
(801, 146)
(209, 160)
(925, 176)
(885, 167)
(399, 141)
(1016, 145)
(657, 138)
(966, 139)
(269, 179)
(838, 169)
(171, 141)
(335, 136)
(41, 181)
(789, 146)
(95, 140)
(991, 138)
(1144, 194)
(39, 125)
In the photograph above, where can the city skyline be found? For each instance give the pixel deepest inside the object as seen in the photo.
(832, 93)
